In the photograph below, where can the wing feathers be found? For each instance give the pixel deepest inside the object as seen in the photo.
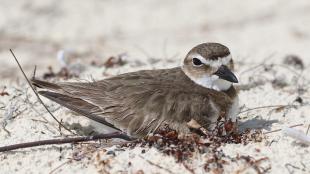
(77, 105)
(44, 84)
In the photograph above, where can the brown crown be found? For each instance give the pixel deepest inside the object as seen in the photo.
(211, 50)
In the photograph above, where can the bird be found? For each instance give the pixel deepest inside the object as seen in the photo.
(140, 103)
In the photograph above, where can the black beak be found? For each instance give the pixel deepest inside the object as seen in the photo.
(224, 73)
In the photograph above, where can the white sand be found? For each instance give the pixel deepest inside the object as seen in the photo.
(148, 31)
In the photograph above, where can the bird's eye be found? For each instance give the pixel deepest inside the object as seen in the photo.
(197, 62)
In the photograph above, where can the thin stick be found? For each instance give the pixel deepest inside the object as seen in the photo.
(278, 130)
(246, 87)
(38, 94)
(80, 156)
(192, 171)
(65, 141)
(60, 166)
(156, 165)
(264, 107)
(259, 65)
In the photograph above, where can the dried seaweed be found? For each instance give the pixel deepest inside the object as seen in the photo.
(63, 73)
(115, 61)
(184, 148)
(3, 92)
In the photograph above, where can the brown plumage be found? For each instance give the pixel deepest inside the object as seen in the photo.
(142, 102)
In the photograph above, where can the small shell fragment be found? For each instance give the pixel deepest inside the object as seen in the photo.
(297, 135)
(193, 124)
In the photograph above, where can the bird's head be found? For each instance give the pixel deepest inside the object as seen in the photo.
(210, 65)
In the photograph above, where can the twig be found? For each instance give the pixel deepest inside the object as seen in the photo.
(66, 141)
(308, 129)
(246, 87)
(278, 130)
(143, 51)
(38, 94)
(254, 164)
(264, 107)
(27, 100)
(8, 115)
(72, 159)
(298, 74)
(287, 165)
(269, 57)
(35, 120)
(60, 166)
(156, 165)
(188, 168)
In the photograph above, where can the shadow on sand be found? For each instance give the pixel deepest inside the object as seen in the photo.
(256, 123)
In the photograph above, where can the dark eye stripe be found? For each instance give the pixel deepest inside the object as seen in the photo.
(197, 62)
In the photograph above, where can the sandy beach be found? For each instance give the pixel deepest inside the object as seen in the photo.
(269, 42)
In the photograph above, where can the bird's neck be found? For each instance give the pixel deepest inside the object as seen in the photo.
(231, 92)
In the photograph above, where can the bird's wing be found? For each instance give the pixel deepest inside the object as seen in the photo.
(142, 109)
(77, 105)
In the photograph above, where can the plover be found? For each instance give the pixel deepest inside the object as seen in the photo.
(142, 102)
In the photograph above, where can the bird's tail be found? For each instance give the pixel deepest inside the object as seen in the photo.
(55, 93)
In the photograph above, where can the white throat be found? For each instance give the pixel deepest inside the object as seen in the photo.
(212, 82)
(221, 85)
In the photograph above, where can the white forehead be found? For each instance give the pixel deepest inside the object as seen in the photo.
(213, 63)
